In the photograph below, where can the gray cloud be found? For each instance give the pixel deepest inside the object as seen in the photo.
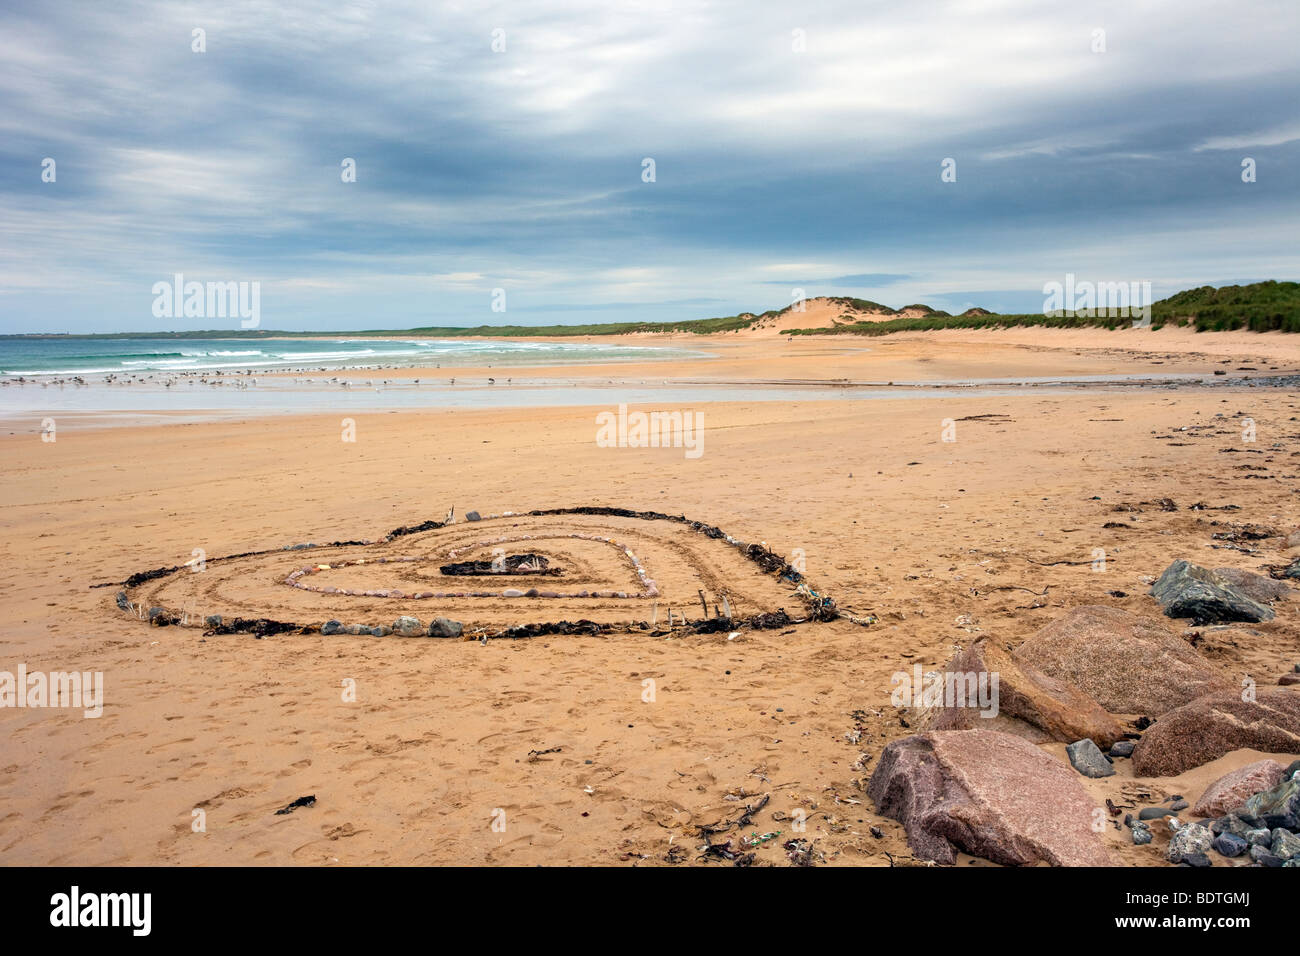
(522, 169)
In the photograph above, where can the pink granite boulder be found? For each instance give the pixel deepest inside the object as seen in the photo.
(1217, 724)
(989, 794)
(1233, 789)
(1128, 664)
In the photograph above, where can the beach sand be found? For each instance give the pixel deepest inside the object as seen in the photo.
(552, 735)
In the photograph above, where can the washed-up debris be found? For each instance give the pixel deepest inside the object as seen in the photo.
(258, 627)
(533, 564)
(802, 852)
(307, 801)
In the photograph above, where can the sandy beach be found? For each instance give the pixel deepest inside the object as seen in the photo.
(546, 750)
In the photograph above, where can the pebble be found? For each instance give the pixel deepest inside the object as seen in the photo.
(406, 626)
(1229, 845)
(1189, 841)
(1263, 857)
(1154, 813)
(445, 627)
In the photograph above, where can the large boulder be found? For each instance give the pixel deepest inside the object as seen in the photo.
(1207, 597)
(1232, 789)
(1128, 664)
(990, 794)
(1026, 702)
(1217, 724)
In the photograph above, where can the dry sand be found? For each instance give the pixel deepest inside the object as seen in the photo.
(942, 541)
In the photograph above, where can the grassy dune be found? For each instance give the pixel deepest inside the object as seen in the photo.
(1261, 307)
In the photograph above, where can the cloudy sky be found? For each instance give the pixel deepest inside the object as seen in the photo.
(795, 145)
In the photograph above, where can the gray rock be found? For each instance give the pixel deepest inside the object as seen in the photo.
(1088, 759)
(1285, 845)
(212, 620)
(1123, 748)
(1189, 840)
(1199, 860)
(357, 629)
(1141, 833)
(332, 627)
(1263, 857)
(1231, 824)
(1279, 807)
(406, 626)
(381, 631)
(1154, 813)
(1226, 844)
(124, 603)
(1178, 805)
(159, 616)
(1260, 837)
(1188, 590)
(445, 627)
(472, 516)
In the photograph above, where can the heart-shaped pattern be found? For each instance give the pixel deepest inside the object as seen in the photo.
(605, 556)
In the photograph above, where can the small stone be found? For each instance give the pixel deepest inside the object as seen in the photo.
(1154, 813)
(1285, 845)
(472, 516)
(1088, 759)
(406, 626)
(1188, 841)
(212, 620)
(332, 627)
(1226, 844)
(1198, 860)
(1141, 834)
(122, 601)
(1179, 804)
(380, 631)
(1286, 680)
(445, 627)
(512, 593)
(1260, 837)
(356, 629)
(1123, 748)
(1263, 857)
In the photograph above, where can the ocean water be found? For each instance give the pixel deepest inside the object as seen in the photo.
(126, 356)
